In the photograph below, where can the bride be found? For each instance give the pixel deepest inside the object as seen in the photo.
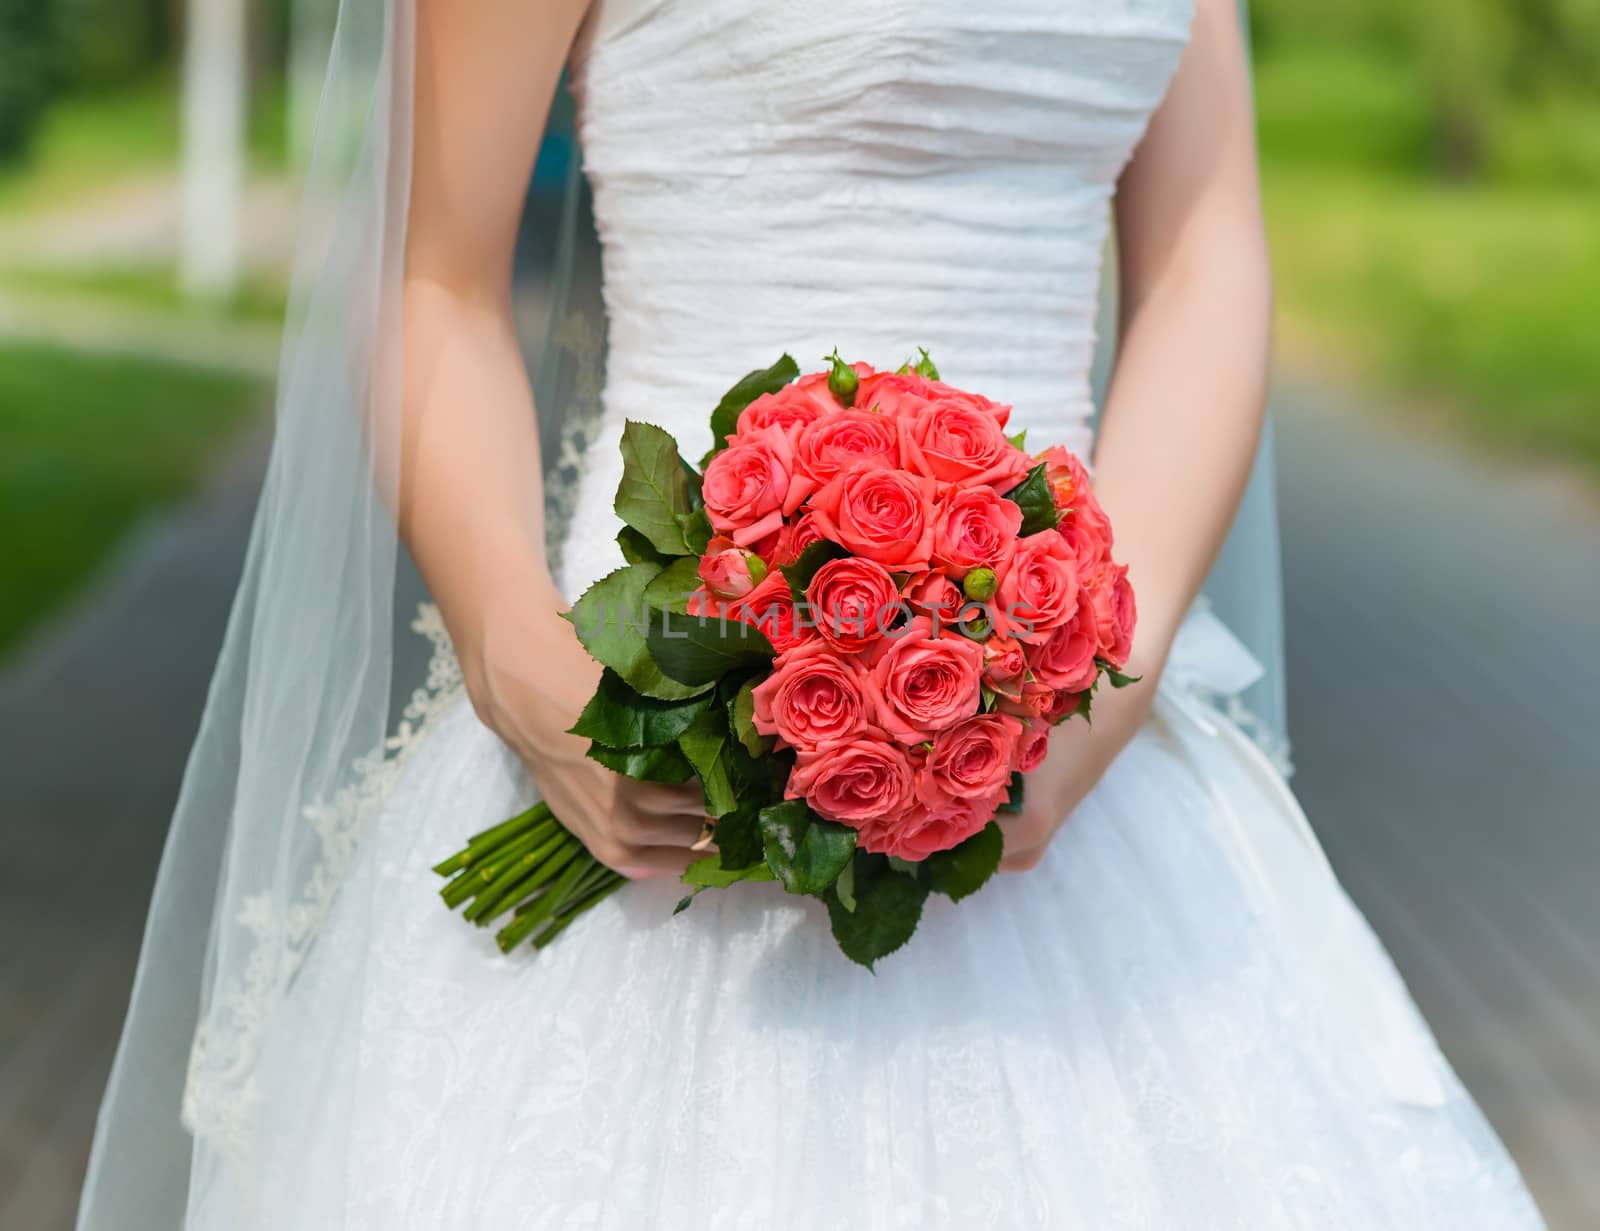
(1169, 1017)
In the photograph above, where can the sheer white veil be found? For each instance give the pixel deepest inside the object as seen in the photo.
(315, 697)
(295, 751)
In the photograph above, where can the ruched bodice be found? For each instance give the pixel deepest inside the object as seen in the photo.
(875, 176)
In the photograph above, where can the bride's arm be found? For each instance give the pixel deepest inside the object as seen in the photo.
(1183, 415)
(471, 506)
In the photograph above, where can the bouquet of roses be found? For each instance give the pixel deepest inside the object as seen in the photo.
(854, 625)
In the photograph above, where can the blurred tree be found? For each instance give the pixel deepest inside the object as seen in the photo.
(26, 70)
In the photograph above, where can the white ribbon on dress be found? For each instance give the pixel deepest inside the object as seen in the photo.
(1278, 856)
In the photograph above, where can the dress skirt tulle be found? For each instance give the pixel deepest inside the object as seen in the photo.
(1136, 1034)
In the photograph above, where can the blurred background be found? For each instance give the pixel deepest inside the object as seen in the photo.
(1432, 186)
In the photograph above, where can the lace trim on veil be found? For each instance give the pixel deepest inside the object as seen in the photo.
(220, 1093)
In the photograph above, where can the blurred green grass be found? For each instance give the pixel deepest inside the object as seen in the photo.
(1479, 296)
(89, 445)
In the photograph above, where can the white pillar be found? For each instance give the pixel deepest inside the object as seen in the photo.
(213, 134)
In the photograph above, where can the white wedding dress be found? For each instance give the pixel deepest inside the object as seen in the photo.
(1148, 1031)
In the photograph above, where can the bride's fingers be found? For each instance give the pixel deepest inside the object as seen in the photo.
(665, 800)
(655, 829)
(647, 861)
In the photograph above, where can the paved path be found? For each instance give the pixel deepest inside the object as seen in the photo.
(1444, 654)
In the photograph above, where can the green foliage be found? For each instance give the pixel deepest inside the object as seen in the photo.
(804, 851)
(619, 717)
(705, 745)
(89, 445)
(27, 57)
(750, 386)
(697, 651)
(962, 871)
(667, 764)
(611, 618)
(1034, 498)
(888, 907)
(653, 496)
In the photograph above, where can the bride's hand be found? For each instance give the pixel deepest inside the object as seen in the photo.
(528, 684)
(1078, 758)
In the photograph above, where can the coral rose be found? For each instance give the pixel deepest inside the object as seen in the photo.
(1066, 658)
(1107, 589)
(745, 485)
(882, 515)
(838, 442)
(972, 759)
(769, 607)
(926, 829)
(926, 682)
(853, 602)
(813, 696)
(960, 444)
(933, 594)
(1032, 745)
(1004, 666)
(974, 528)
(789, 410)
(855, 781)
(729, 571)
(1038, 587)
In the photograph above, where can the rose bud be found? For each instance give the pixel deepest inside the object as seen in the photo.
(842, 380)
(730, 571)
(980, 584)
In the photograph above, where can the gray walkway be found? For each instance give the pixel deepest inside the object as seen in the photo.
(1444, 657)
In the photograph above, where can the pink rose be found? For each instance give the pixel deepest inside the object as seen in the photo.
(1063, 704)
(1038, 587)
(729, 571)
(1004, 666)
(956, 443)
(1032, 745)
(934, 594)
(1066, 658)
(859, 780)
(853, 602)
(838, 442)
(1034, 701)
(974, 528)
(788, 410)
(925, 682)
(812, 697)
(970, 760)
(769, 607)
(891, 392)
(745, 485)
(926, 829)
(882, 515)
(1107, 590)
(784, 545)
(1083, 521)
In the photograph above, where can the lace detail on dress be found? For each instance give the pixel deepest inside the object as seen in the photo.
(221, 1091)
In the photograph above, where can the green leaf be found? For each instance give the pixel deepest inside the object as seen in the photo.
(887, 912)
(705, 746)
(1117, 678)
(1034, 498)
(654, 493)
(636, 549)
(804, 851)
(742, 717)
(612, 621)
(844, 887)
(697, 651)
(619, 717)
(664, 764)
(738, 836)
(708, 873)
(925, 365)
(961, 871)
(669, 590)
(697, 531)
(725, 418)
(1014, 793)
(800, 573)
(1020, 440)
